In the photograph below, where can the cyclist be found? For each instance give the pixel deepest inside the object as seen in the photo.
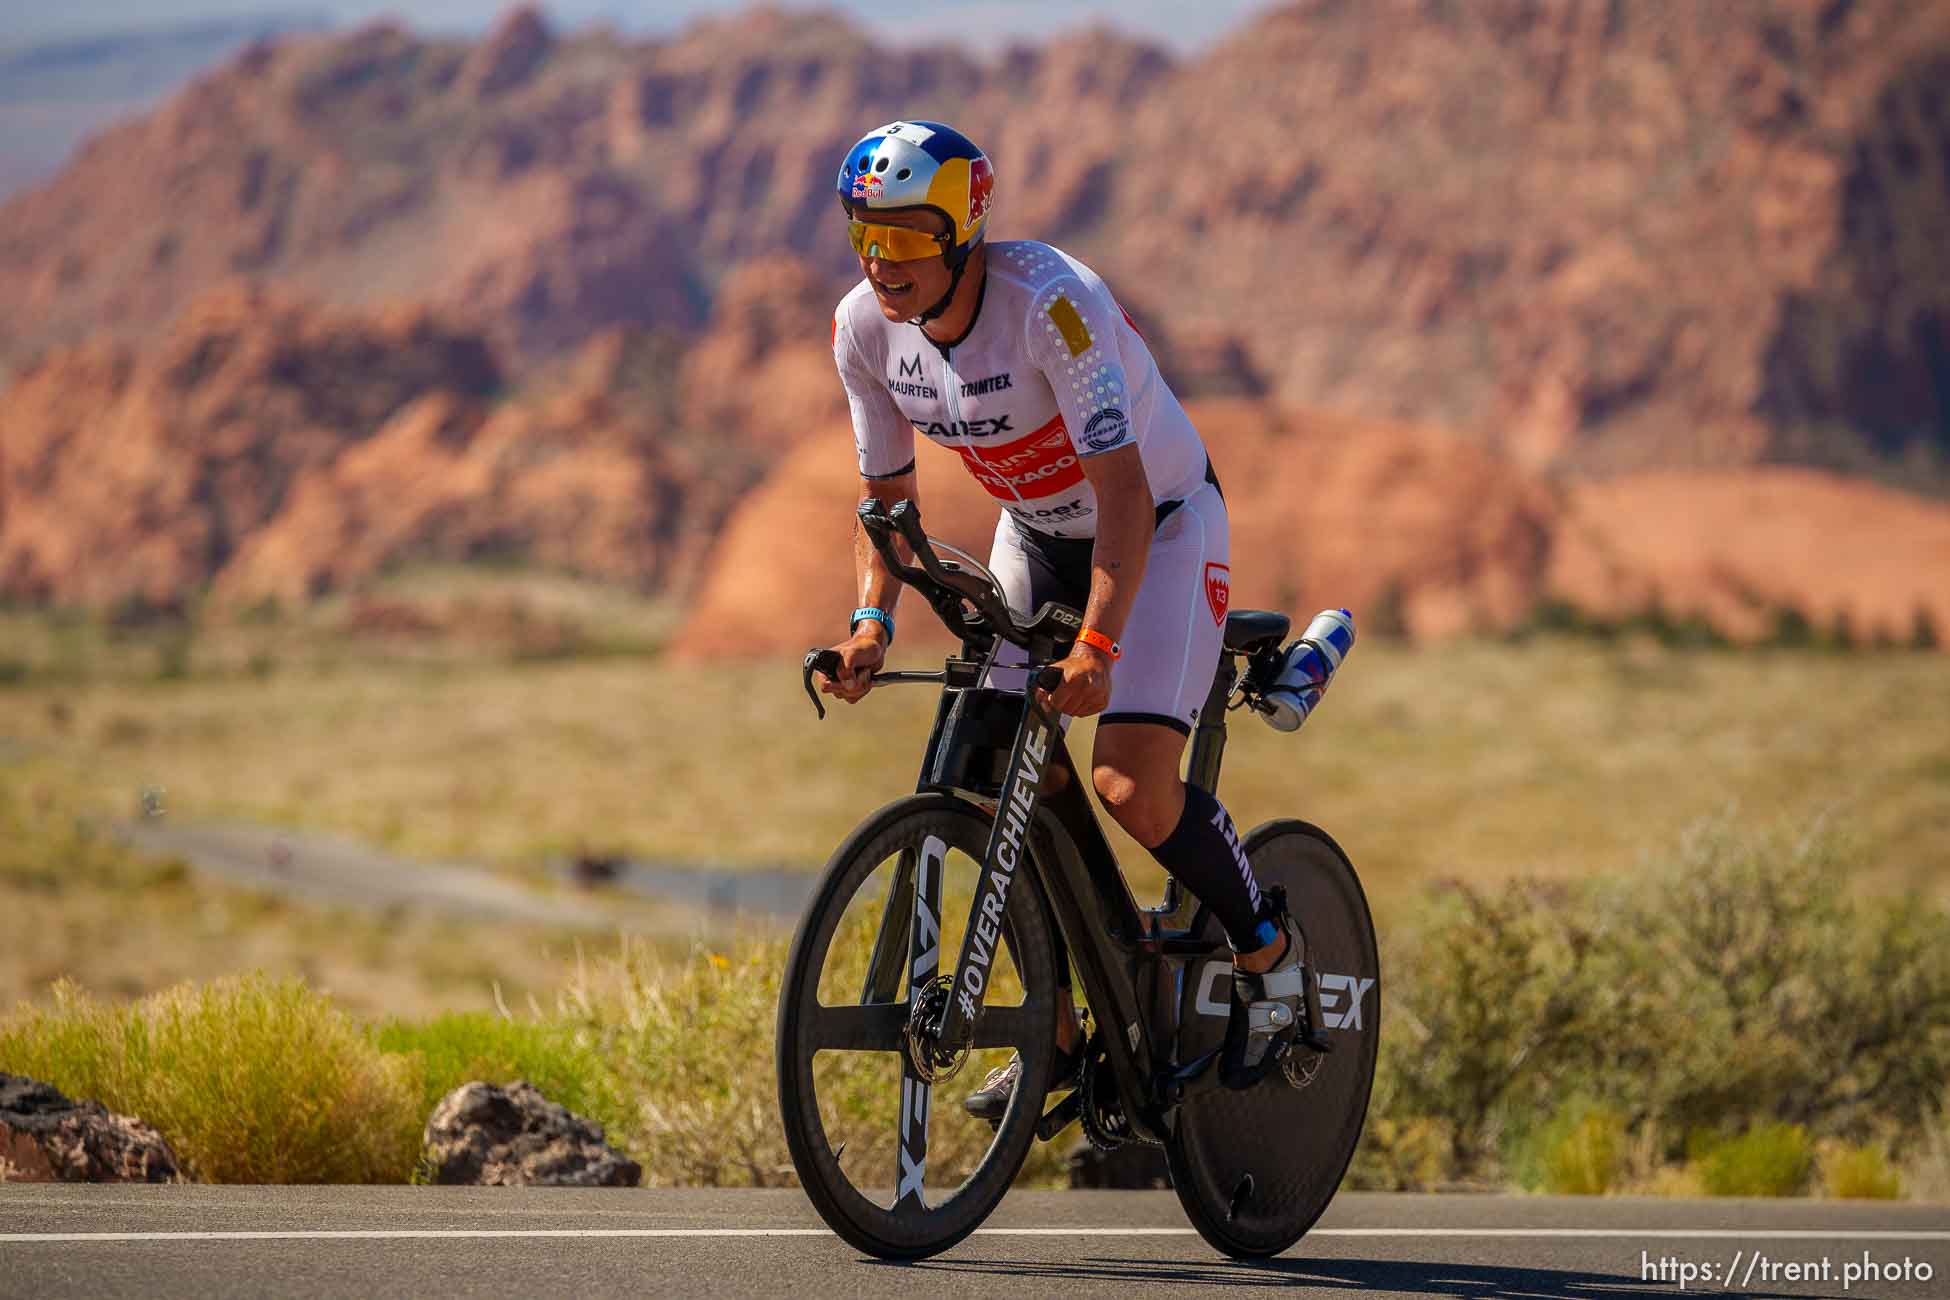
(1015, 355)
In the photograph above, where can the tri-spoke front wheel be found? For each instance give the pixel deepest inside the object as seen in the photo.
(872, 1115)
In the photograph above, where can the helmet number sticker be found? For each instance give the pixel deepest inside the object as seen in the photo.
(912, 132)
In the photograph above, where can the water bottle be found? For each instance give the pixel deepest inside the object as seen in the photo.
(1306, 667)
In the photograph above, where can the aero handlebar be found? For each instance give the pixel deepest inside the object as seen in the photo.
(969, 604)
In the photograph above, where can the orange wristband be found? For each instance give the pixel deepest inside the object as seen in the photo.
(1096, 640)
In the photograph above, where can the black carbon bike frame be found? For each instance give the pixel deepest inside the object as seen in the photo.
(1045, 837)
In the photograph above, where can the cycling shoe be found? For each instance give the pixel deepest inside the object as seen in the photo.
(1274, 1009)
(991, 1100)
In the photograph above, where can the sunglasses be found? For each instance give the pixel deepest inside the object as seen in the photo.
(894, 243)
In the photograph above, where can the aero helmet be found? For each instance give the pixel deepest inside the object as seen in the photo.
(923, 165)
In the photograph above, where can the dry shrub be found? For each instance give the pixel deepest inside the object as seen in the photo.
(1737, 988)
(1857, 1172)
(250, 1080)
(1767, 1160)
(694, 1047)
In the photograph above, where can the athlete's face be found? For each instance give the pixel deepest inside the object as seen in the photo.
(906, 289)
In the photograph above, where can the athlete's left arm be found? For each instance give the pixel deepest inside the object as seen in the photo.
(1071, 336)
(1126, 519)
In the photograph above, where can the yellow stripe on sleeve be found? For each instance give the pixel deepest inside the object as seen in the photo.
(1076, 335)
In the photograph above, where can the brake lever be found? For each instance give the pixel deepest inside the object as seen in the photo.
(820, 661)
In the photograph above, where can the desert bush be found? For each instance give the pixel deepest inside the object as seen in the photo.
(1857, 1171)
(1579, 1150)
(251, 1080)
(1736, 986)
(1777, 995)
(1499, 1002)
(1766, 1160)
(1925, 1163)
(554, 1055)
(1400, 1155)
(692, 1047)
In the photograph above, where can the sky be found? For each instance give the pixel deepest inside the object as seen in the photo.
(983, 23)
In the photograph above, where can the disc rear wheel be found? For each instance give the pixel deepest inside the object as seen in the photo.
(1255, 1169)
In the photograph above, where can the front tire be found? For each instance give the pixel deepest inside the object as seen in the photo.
(884, 924)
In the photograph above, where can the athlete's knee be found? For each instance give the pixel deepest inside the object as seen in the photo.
(1146, 809)
(1135, 773)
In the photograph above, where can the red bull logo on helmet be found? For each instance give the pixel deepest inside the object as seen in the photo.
(981, 183)
(867, 184)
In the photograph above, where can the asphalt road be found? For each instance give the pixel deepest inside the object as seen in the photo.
(219, 1242)
(342, 872)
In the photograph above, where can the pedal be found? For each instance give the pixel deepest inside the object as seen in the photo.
(1060, 1116)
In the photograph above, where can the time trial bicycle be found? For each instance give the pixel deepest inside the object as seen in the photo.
(872, 1024)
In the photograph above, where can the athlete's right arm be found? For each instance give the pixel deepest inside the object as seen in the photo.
(862, 654)
(884, 441)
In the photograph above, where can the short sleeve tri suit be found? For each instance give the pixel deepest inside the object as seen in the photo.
(1050, 373)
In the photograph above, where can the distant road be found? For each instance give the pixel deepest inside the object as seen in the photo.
(339, 871)
(234, 1242)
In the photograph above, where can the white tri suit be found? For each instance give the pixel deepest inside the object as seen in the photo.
(1051, 372)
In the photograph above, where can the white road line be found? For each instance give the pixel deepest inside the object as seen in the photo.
(424, 1234)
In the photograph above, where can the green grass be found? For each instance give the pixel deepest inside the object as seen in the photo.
(1576, 981)
(1729, 1021)
(460, 1047)
(1558, 757)
(1768, 1160)
(250, 1080)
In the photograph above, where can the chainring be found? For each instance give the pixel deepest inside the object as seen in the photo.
(1105, 1124)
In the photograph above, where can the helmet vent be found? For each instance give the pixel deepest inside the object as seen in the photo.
(881, 166)
(903, 173)
(866, 161)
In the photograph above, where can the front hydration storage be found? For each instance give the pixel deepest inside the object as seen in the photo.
(1305, 669)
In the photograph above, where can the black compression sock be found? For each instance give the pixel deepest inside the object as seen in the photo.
(1203, 852)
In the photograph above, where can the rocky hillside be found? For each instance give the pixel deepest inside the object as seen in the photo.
(353, 300)
(1416, 531)
(262, 447)
(1609, 236)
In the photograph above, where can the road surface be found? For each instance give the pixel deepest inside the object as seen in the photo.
(224, 1242)
(339, 871)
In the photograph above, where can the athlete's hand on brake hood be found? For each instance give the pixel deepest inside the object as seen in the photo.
(861, 655)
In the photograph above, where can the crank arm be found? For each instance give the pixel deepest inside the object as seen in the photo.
(1060, 1116)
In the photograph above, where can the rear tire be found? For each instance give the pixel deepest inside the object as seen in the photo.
(1294, 1143)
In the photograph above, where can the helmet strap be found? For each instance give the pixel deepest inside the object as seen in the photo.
(954, 281)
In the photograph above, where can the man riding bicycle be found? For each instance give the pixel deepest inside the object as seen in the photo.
(1017, 357)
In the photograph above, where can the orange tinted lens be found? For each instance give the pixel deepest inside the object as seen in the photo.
(891, 243)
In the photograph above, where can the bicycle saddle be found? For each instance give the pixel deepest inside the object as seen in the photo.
(1249, 629)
